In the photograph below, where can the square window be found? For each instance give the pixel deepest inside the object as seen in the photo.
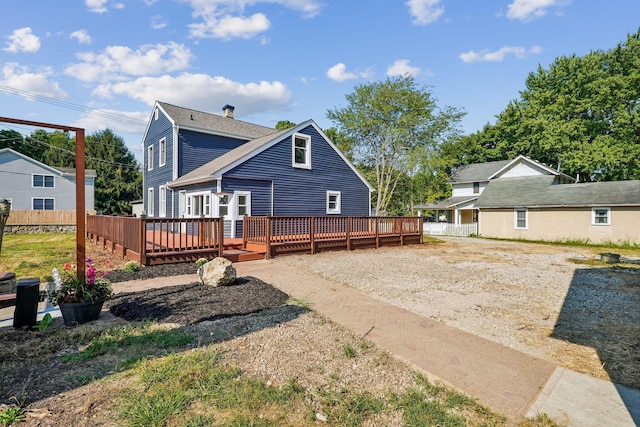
(333, 202)
(521, 219)
(43, 181)
(301, 151)
(601, 216)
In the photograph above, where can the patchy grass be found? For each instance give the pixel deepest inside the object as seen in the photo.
(35, 255)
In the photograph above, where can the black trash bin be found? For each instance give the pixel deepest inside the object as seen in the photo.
(27, 298)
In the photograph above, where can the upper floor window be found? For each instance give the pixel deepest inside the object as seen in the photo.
(163, 151)
(43, 181)
(43, 204)
(601, 216)
(333, 202)
(150, 158)
(476, 187)
(301, 151)
(521, 219)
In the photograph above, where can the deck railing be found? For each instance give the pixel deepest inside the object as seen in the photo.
(311, 233)
(141, 239)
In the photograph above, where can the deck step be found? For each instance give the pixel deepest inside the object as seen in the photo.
(239, 255)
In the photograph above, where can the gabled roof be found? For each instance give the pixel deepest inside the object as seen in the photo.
(477, 172)
(539, 191)
(214, 169)
(68, 172)
(213, 123)
(534, 163)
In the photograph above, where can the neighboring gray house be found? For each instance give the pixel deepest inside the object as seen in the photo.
(32, 185)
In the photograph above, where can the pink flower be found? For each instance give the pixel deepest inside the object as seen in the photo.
(67, 266)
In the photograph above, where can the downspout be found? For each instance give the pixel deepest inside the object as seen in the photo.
(272, 196)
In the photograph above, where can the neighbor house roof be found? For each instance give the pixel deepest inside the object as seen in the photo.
(477, 172)
(68, 172)
(449, 203)
(539, 191)
(213, 123)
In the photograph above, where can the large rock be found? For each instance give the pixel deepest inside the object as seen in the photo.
(218, 272)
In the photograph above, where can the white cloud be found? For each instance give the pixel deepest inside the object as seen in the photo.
(338, 73)
(96, 6)
(118, 61)
(401, 68)
(225, 19)
(158, 22)
(500, 54)
(22, 79)
(100, 120)
(82, 36)
(202, 92)
(527, 10)
(425, 11)
(23, 40)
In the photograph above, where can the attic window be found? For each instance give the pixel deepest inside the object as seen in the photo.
(476, 187)
(301, 151)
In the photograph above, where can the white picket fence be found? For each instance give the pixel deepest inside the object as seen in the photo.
(445, 229)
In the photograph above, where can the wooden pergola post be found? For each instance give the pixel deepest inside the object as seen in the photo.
(80, 196)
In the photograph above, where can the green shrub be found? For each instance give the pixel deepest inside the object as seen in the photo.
(201, 261)
(131, 266)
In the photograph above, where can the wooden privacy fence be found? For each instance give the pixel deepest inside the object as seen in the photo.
(42, 217)
(280, 235)
(158, 240)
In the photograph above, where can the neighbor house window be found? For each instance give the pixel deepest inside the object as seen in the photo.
(150, 201)
(163, 152)
(150, 158)
(243, 203)
(43, 204)
(301, 151)
(476, 187)
(521, 219)
(162, 201)
(601, 216)
(43, 181)
(333, 202)
(199, 204)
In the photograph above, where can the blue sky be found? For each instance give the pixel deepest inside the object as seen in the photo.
(101, 64)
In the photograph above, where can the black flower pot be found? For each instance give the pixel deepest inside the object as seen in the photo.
(77, 313)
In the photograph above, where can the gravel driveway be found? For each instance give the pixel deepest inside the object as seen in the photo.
(555, 302)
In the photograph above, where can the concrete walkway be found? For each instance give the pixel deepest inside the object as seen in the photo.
(501, 378)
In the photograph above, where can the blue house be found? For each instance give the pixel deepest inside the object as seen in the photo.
(199, 164)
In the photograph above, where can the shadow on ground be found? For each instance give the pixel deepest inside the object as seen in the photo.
(602, 310)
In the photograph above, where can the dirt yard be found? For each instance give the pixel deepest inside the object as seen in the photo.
(555, 302)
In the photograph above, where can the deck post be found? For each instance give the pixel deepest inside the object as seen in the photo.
(377, 220)
(311, 234)
(143, 240)
(401, 220)
(244, 231)
(347, 230)
(421, 228)
(267, 237)
(221, 237)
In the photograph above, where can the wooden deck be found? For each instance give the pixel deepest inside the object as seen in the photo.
(153, 241)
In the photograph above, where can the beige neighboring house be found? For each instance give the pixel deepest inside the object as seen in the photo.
(468, 183)
(541, 208)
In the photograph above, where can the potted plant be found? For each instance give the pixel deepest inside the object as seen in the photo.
(80, 298)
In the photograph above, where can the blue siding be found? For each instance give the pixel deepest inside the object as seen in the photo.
(303, 192)
(160, 175)
(260, 193)
(196, 149)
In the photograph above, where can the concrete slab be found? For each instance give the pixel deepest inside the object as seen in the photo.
(576, 399)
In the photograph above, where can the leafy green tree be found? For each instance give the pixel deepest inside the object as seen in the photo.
(14, 140)
(393, 128)
(284, 124)
(582, 114)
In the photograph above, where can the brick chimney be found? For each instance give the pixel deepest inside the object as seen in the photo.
(228, 110)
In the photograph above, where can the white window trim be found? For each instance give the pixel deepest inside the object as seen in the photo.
(593, 216)
(33, 199)
(526, 218)
(43, 180)
(206, 207)
(307, 157)
(236, 205)
(162, 145)
(150, 201)
(338, 209)
(162, 201)
(150, 157)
